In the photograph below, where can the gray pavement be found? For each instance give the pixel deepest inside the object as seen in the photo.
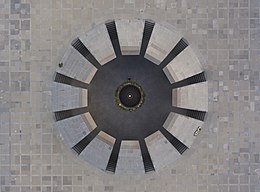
(34, 36)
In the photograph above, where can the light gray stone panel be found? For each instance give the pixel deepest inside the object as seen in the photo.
(99, 44)
(72, 130)
(182, 127)
(193, 96)
(168, 72)
(67, 97)
(89, 121)
(76, 66)
(170, 120)
(102, 135)
(162, 152)
(130, 158)
(97, 152)
(185, 65)
(163, 39)
(130, 34)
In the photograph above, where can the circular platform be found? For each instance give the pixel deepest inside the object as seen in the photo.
(125, 96)
(145, 120)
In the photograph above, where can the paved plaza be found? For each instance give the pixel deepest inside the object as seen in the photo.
(36, 35)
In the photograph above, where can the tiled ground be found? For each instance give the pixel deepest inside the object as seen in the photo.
(34, 34)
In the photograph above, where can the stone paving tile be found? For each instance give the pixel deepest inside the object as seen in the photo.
(35, 34)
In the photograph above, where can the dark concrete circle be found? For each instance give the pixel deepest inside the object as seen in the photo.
(147, 119)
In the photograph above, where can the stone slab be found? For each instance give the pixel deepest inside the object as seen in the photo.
(185, 65)
(97, 152)
(72, 130)
(130, 34)
(161, 150)
(99, 44)
(182, 127)
(67, 97)
(162, 41)
(76, 66)
(130, 159)
(193, 96)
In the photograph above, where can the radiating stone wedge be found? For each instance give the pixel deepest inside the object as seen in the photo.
(182, 127)
(192, 97)
(98, 151)
(73, 130)
(76, 66)
(130, 33)
(67, 97)
(98, 43)
(184, 65)
(163, 40)
(130, 159)
(161, 150)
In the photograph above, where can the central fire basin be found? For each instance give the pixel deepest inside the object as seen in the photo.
(129, 96)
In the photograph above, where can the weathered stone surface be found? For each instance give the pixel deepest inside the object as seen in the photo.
(161, 150)
(67, 97)
(130, 34)
(76, 66)
(192, 96)
(98, 152)
(72, 130)
(98, 43)
(162, 41)
(185, 65)
(182, 127)
(130, 159)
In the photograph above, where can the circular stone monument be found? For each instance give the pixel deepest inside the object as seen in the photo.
(124, 95)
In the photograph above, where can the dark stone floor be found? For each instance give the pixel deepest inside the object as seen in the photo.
(123, 124)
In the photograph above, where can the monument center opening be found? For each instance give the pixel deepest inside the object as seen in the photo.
(129, 96)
